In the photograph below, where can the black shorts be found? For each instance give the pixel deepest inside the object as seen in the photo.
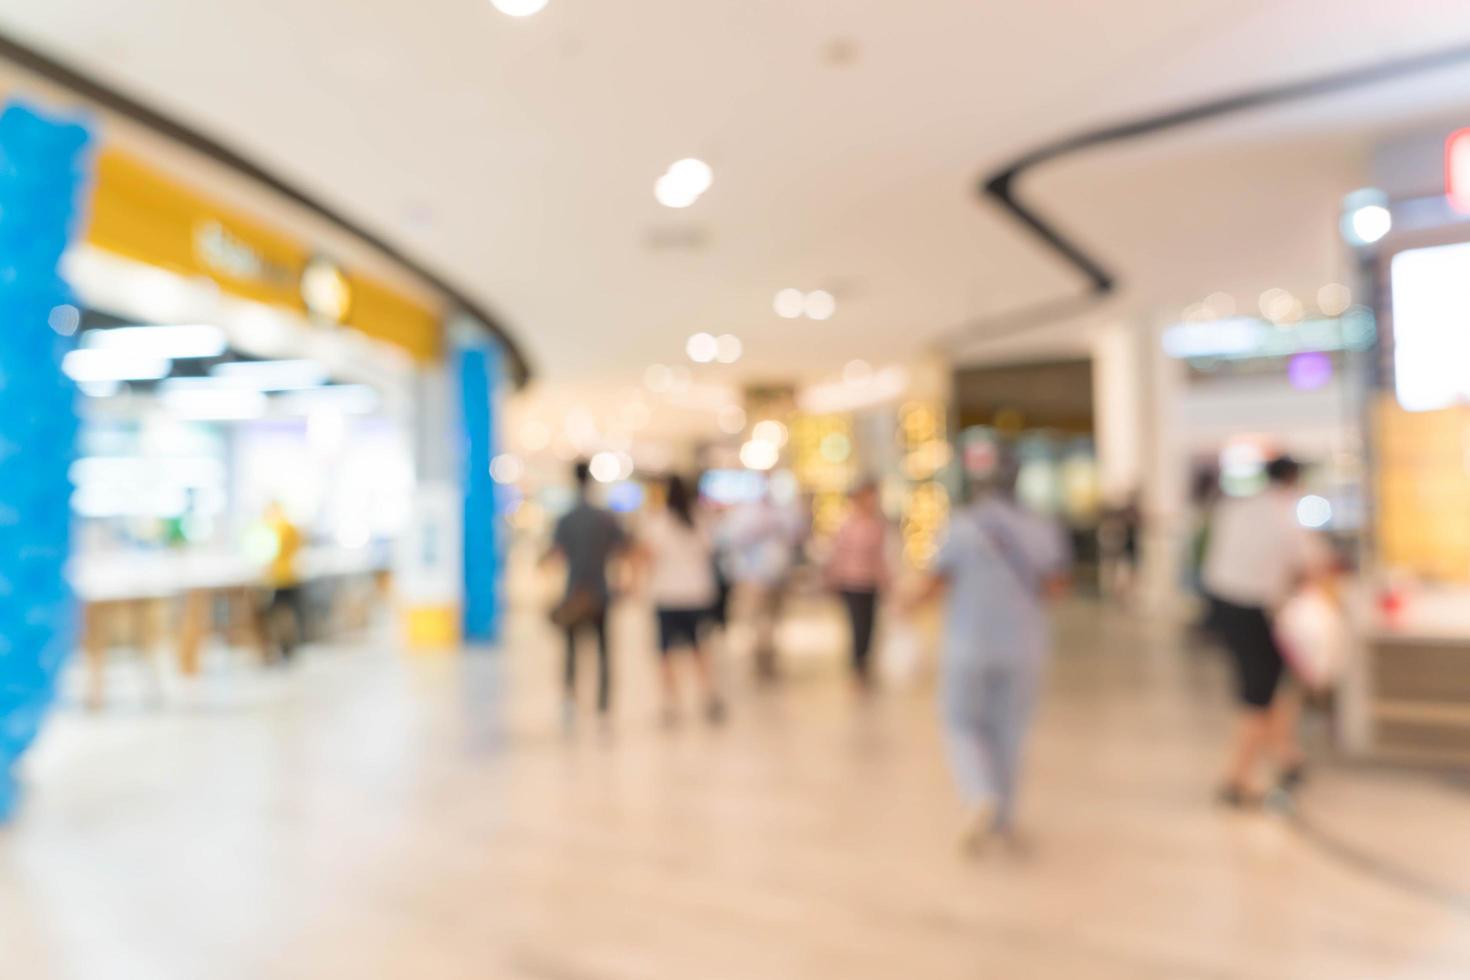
(679, 628)
(1246, 631)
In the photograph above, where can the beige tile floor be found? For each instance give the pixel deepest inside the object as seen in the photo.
(371, 815)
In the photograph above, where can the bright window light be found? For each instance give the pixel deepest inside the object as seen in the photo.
(215, 405)
(106, 365)
(348, 399)
(172, 341)
(1431, 347)
(271, 375)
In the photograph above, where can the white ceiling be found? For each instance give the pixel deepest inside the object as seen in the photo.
(518, 156)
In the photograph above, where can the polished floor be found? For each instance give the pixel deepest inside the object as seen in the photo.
(366, 814)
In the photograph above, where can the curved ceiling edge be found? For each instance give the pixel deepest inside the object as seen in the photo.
(1000, 186)
(112, 100)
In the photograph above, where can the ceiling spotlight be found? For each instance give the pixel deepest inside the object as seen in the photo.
(507, 468)
(605, 467)
(693, 175)
(702, 348)
(790, 303)
(683, 183)
(659, 378)
(1280, 307)
(820, 304)
(535, 435)
(668, 193)
(1366, 217)
(1334, 299)
(732, 420)
(857, 372)
(519, 8)
(1220, 305)
(1371, 223)
(759, 454)
(728, 348)
(769, 431)
(64, 319)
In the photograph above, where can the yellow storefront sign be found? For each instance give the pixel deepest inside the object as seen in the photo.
(141, 214)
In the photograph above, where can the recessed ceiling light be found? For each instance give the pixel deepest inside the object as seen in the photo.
(1334, 298)
(519, 8)
(683, 183)
(820, 304)
(728, 348)
(790, 303)
(732, 419)
(702, 348)
(658, 378)
(769, 431)
(857, 372)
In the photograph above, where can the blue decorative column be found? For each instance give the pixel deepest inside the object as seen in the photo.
(42, 164)
(479, 375)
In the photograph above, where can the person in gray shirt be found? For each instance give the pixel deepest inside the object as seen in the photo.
(998, 565)
(586, 539)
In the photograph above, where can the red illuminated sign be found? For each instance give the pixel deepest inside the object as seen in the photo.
(1457, 170)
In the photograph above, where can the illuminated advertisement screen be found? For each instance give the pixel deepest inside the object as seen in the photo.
(1431, 326)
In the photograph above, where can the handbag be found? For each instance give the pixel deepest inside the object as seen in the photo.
(581, 607)
(1313, 638)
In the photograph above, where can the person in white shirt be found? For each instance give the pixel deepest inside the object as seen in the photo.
(678, 557)
(1258, 554)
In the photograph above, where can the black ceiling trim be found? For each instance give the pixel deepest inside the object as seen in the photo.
(92, 90)
(1000, 186)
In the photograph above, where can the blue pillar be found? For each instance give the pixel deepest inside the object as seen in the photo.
(42, 165)
(479, 376)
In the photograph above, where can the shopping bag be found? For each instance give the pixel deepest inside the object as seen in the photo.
(901, 654)
(1313, 637)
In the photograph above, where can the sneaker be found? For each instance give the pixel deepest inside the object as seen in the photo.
(714, 711)
(979, 829)
(1236, 797)
(1292, 777)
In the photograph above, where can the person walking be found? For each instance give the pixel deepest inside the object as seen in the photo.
(757, 539)
(283, 622)
(675, 550)
(586, 539)
(858, 571)
(998, 565)
(1258, 553)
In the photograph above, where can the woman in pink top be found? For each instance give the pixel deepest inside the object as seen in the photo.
(858, 571)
